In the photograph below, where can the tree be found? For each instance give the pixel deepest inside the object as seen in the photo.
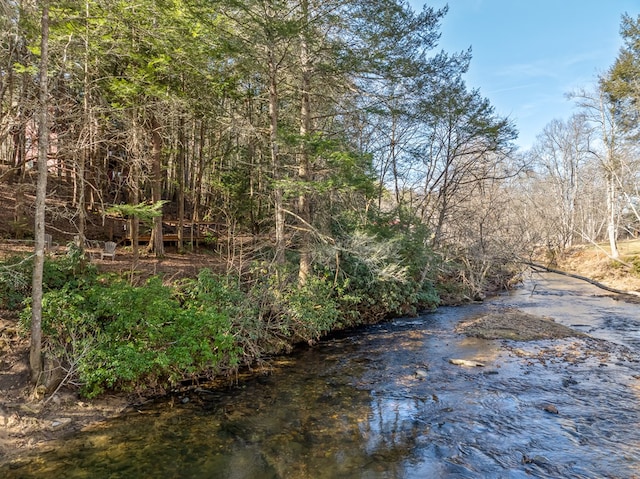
(603, 115)
(394, 81)
(622, 90)
(467, 143)
(304, 166)
(145, 92)
(620, 83)
(560, 151)
(267, 116)
(35, 354)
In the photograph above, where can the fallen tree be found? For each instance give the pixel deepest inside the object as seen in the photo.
(539, 267)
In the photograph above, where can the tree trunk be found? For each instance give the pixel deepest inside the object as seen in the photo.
(610, 140)
(275, 160)
(156, 243)
(134, 186)
(35, 353)
(180, 173)
(611, 217)
(19, 150)
(86, 147)
(304, 209)
(197, 199)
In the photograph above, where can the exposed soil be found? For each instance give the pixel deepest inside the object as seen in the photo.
(594, 263)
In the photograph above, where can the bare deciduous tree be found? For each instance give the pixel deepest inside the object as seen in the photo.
(35, 354)
(560, 151)
(600, 112)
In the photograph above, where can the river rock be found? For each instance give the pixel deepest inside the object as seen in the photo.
(53, 374)
(466, 362)
(59, 423)
(550, 408)
(421, 373)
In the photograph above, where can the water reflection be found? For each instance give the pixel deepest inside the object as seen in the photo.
(354, 407)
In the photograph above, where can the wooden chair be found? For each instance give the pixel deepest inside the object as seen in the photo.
(109, 250)
(48, 242)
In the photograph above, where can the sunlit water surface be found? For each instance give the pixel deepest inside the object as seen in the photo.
(354, 407)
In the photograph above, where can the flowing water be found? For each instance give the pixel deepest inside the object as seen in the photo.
(386, 402)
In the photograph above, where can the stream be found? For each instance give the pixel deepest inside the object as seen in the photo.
(385, 401)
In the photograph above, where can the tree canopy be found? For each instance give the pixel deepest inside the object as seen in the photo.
(270, 116)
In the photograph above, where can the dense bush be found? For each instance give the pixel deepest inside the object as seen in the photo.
(111, 335)
(385, 269)
(16, 273)
(292, 313)
(119, 336)
(148, 338)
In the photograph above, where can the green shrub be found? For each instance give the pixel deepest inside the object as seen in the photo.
(152, 340)
(310, 310)
(15, 281)
(381, 267)
(16, 275)
(118, 336)
(384, 270)
(113, 335)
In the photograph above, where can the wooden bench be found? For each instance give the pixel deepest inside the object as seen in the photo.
(196, 232)
(166, 238)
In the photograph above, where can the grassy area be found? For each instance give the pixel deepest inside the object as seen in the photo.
(594, 261)
(629, 248)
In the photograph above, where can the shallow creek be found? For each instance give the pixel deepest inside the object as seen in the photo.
(386, 402)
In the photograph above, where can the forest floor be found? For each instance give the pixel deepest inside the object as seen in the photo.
(31, 419)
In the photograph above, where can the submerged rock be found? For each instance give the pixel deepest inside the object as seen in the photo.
(466, 362)
(539, 460)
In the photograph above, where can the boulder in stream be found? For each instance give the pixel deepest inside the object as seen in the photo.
(421, 373)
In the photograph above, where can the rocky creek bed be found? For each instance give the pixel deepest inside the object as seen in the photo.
(29, 421)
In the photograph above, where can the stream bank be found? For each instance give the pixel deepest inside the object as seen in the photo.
(31, 421)
(392, 401)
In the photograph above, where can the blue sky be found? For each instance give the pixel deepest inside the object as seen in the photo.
(527, 54)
